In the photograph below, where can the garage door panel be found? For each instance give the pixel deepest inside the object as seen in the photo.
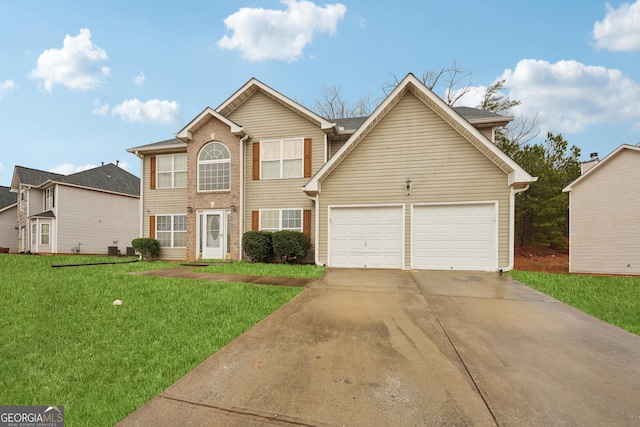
(458, 237)
(368, 237)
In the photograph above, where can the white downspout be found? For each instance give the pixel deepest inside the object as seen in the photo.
(243, 140)
(141, 202)
(512, 226)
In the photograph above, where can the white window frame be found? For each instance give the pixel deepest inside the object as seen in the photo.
(263, 212)
(215, 162)
(49, 198)
(172, 172)
(173, 231)
(34, 234)
(281, 158)
(43, 234)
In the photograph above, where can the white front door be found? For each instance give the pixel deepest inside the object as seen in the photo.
(212, 234)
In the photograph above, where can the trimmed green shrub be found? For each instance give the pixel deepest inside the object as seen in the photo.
(257, 245)
(148, 248)
(290, 245)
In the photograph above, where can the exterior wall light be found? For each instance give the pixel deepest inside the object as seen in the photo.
(407, 186)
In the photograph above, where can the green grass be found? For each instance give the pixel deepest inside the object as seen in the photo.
(615, 300)
(300, 271)
(62, 342)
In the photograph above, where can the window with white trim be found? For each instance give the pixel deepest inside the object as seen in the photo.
(281, 219)
(44, 234)
(282, 158)
(49, 198)
(34, 234)
(171, 230)
(214, 167)
(171, 171)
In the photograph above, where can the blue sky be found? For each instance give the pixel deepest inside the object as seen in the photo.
(82, 81)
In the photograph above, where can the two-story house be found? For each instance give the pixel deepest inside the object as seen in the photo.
(85, 212)
(8, 212)
(417, 184)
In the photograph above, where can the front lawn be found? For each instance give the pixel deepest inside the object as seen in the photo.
(63, 342)
(299, 271)
(615, 300)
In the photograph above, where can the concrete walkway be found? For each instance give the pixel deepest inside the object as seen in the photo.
(398, 348)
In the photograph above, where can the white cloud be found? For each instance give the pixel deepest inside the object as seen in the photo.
(568, 96)
(152, 111)
(68, 168)
(126, 165)
(7, 86)
(76, 65)
(262, 34)
(620, 28)
(139, 79)
(99, 109)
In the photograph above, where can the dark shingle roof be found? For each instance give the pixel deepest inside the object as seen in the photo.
(45, 214)
(7, 198)
(35, 177)
(169, 143)
(351, 123)
(475, 113)
(108, 177)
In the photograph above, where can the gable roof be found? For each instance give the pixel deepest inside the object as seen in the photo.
(31, 177)
(598, 165)
(254, 85)
(109, 178)
(7, 198)
(518, 177)
(186, 133)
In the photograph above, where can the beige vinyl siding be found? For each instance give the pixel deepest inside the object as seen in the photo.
(605, 218)
(487, 132)
(94, 219)
(267, 119)
(8, 232)
(165, 201)
(413, 142)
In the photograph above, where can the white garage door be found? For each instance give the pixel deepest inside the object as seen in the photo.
(454, 237)
(366, 237)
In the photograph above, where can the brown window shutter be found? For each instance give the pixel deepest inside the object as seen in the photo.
(307, 157)
(152, 227)
(306, 223)
(152, 173)
(255, 220)
(256, 160)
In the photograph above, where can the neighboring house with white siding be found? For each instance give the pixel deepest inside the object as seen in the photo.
(8, 223)
(417, 184)
(604, 215)
(85, 212)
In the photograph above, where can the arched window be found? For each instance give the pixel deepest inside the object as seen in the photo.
(214, 167)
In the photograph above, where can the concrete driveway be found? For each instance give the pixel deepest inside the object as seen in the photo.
(399, 348)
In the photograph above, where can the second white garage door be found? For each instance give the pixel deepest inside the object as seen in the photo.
(454, 237)
(366, 237)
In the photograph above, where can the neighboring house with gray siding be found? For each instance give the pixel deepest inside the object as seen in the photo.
(417, 184)
(604, 215)
(85, 212)
(8, 223)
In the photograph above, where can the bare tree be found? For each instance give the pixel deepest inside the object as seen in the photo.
(331, 105)
(455, 81)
